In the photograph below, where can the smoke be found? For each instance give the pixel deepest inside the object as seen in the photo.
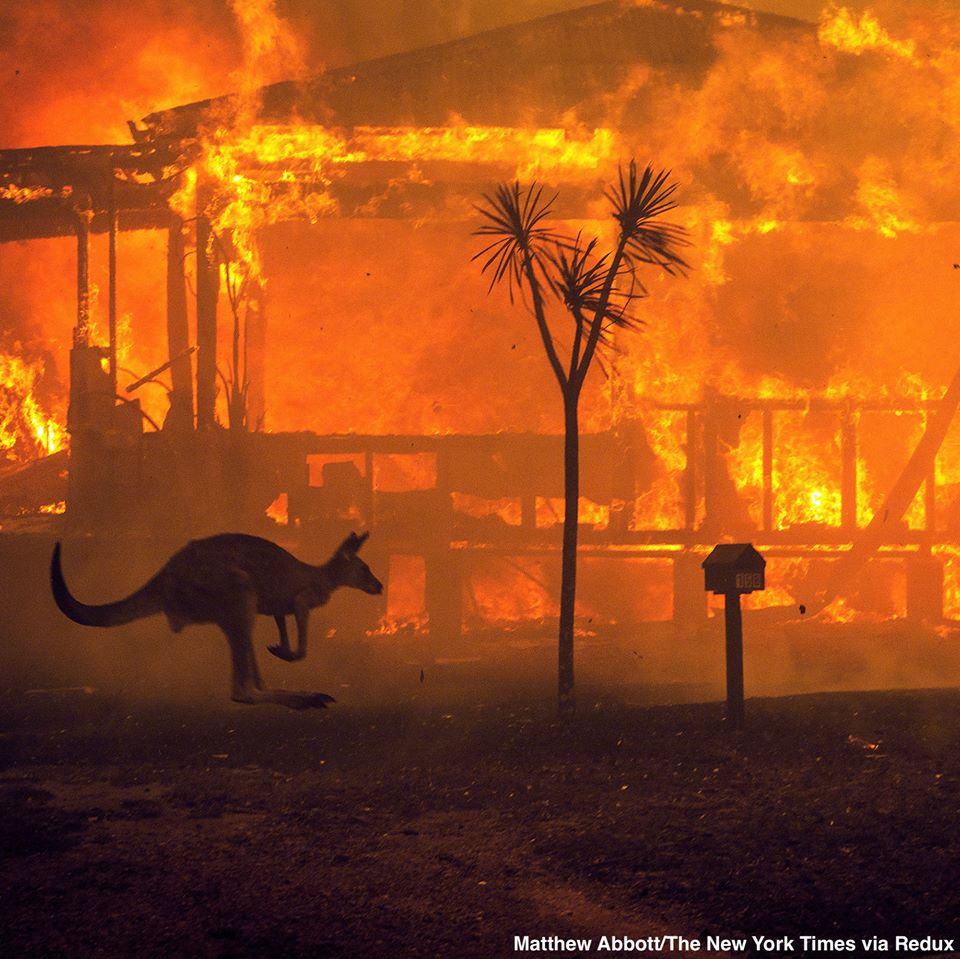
(75, 73)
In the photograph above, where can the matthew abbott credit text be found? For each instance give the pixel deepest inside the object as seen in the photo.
(779, 945)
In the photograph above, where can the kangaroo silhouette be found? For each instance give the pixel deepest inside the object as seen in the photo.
(228, 579)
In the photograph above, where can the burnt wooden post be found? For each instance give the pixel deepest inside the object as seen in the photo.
(178, 332)
(208, 289)
(848, 456)
(930, 487)
(112, 285)
(768, 523)
(81, 333)
(255, 355)
(731, 570)
(690, 473)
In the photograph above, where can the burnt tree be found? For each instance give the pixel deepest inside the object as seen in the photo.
(597, 291)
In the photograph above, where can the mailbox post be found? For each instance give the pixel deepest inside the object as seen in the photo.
(733, 569)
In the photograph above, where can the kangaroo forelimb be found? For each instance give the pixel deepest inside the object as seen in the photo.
(282, 650)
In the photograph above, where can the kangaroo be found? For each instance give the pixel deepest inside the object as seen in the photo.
(228, 579)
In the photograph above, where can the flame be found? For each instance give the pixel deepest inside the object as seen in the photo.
(839, 28)
(24, 194)
(790, 152)
(271, 49)
(406, 592)
(507, 508)
(278, 510)
(266, 174)
(27, 429)
(886, 210)
(550, 513)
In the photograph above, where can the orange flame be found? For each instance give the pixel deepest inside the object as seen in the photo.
(27, 430)
(839, 28)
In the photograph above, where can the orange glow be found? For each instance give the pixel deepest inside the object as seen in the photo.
(840, 29)
(823, 241)
(550, 513)
(264, 174)
(406, 604)
(278, 510)
(27, 429)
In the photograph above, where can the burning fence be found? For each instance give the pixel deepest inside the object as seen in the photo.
(312, 239)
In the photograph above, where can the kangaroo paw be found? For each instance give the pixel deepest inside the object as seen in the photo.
(306, 700)
(293, 700)
(284, 652)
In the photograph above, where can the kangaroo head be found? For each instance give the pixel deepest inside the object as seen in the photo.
(347, 569)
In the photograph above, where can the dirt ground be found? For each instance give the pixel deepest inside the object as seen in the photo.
(133, 827)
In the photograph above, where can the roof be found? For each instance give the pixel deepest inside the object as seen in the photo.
(733, 554)
(524, 75)
(527, 74)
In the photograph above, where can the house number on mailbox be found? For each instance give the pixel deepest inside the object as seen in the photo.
(749, 581)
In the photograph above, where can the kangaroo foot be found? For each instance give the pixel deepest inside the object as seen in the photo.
(284, 652)
(284, 697)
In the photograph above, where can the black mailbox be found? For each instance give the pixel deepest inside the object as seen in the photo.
(733, 568)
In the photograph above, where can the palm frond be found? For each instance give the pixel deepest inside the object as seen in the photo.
(515, 226)
(638, 201)
(579, 277)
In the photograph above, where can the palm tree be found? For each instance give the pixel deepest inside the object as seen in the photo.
(597, 290)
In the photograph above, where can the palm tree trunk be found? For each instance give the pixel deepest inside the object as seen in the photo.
(568, 577)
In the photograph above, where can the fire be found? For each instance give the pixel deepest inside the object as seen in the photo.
(278, 510)
(271, 49)
(27, 430)
(791, 147)
(877, 194)
(839, 28)
(272, 173)
(508, 509)
(550, 513)
(406, 604)
(23, 194)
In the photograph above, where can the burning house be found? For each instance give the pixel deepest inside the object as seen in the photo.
(275, 324)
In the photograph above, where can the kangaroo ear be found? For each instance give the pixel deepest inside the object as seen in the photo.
(352, 543)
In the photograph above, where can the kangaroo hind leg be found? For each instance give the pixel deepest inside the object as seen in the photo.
(236, 619)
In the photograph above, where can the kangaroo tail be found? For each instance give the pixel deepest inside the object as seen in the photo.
(138, 605)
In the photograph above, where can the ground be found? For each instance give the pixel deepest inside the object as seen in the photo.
(133, 827)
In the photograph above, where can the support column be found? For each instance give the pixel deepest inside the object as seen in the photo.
(208, 288)
(848, 481)
(768, 469)
(255, 354)
(81, 333)
(690, 474)
(930, 489)
(112, 290)
(180, 416)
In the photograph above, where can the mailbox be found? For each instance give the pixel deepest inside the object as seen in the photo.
(733, 568)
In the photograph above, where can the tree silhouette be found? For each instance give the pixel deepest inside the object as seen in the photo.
(597, 291)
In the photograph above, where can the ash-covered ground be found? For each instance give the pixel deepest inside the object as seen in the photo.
(145, 827)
